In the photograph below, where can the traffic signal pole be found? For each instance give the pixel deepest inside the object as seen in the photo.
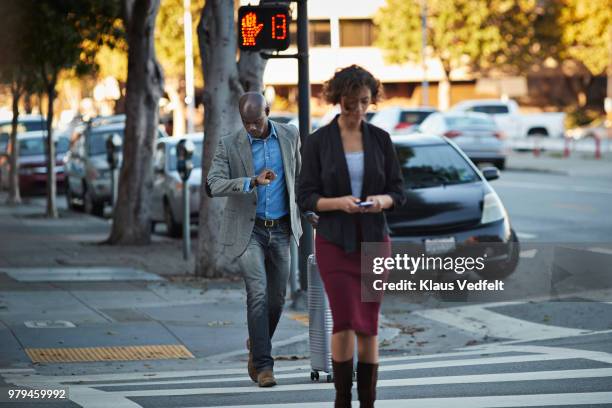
(306, 242)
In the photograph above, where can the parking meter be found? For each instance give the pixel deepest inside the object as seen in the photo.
(184, 153)
(113, 148)
(184, 165)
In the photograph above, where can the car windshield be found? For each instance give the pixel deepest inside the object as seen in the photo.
(34, 125)
(491, 109)
(469, 122)
(413, 117)
(433, 165)
(196, 158)
(33, 146)
(96, 143)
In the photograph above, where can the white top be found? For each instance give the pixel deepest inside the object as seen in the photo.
(354, 162)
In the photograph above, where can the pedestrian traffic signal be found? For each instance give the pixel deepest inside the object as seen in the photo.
(263, 27)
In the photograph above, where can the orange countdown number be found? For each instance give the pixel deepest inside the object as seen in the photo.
(279, 27)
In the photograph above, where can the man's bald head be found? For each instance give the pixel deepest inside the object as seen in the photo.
(254, 111)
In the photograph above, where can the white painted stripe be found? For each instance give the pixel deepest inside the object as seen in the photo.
(16, 370)
(90, 398)
(381, 368)
(221, 371)
(402, 382)
(529, 253)
(594, 333)
(479, 320)
(600, 356)
(601, 250)
(564, 187)
(295, 339)
(525, 235)
(494, 401)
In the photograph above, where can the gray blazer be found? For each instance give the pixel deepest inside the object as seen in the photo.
(233, 162)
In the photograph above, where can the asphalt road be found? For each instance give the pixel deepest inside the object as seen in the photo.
(552, 207)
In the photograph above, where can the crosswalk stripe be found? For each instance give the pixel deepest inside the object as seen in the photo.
(493, 401)
(382, 368)
(482, 321)
(227, 371)
(458, 379)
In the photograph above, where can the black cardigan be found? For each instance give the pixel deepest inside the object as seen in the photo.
(325, 174)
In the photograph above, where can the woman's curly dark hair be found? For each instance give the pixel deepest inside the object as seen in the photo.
(348, 81)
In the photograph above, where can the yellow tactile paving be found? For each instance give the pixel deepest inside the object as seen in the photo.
(126, 353)
(300, 317)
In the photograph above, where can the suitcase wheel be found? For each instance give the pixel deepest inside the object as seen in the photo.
(314, 376)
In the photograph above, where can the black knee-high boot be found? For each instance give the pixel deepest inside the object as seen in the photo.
(343, 382)
(367, 374)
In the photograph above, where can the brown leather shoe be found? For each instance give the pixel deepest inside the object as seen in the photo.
(250, 366)
(266, 378)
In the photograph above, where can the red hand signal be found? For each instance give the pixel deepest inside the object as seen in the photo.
(250, 28)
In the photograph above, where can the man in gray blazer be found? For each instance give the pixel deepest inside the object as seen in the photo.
(257, 169)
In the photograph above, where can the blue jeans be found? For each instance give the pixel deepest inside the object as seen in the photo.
(265, 268)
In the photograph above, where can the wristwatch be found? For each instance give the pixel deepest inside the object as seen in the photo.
(254, 181)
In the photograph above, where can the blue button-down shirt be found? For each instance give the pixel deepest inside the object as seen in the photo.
(271, 199)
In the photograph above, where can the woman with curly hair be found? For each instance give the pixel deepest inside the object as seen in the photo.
(350, 175)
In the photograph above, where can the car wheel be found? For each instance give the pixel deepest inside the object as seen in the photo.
(91, 206)
(501, 164)
(503, 269)
(172, 227)
(70, 199)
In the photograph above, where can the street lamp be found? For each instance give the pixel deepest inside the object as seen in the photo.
(189, 81)
(424, 84)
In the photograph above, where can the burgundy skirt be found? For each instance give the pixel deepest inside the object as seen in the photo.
(341, 275)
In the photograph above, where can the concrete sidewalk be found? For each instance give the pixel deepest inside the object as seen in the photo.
(60, 289)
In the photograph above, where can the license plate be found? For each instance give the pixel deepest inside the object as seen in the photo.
(439, 245)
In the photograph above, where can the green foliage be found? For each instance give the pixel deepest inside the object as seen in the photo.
(456, 30)
(399, 30)
(67, 34)
(170, 40)
(504, 35)
(586, 35)
(16, 68)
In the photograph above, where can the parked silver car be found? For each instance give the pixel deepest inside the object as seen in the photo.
(476, 134)
(166, 203)
(88, 177)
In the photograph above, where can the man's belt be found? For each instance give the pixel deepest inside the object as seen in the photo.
(272, 223)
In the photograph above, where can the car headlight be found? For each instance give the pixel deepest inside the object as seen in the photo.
(492, 209)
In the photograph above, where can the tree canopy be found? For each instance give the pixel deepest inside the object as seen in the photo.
(586, 35)
(504, 35)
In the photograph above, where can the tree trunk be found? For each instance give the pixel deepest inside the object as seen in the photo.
(225, 81)
(51, 179)
(444, 88)
(14, 194)
(131, 217)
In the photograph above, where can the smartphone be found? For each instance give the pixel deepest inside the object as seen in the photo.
(366, 204)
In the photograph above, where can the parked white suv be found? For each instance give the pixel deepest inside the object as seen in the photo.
(513, 123)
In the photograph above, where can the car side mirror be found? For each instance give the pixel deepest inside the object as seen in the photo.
(490, 173)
